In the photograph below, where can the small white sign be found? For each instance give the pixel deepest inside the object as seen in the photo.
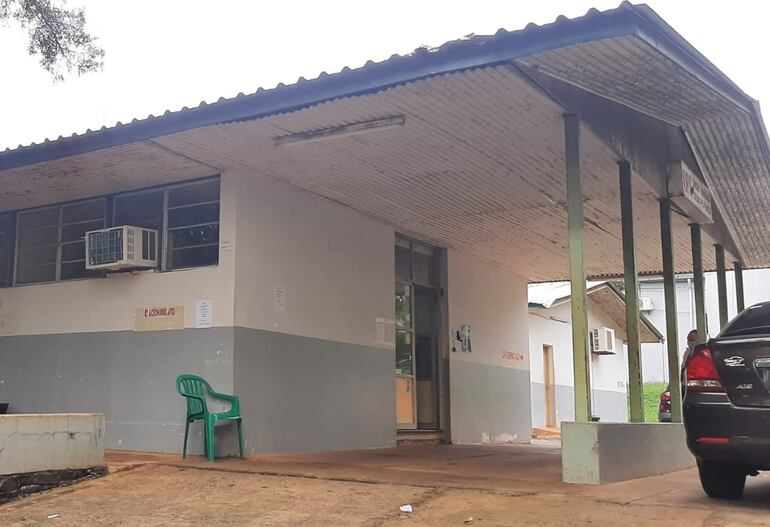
(279, 298)
(204, 313)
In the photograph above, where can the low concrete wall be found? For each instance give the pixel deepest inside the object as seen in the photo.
(598, 453)
(44, 442)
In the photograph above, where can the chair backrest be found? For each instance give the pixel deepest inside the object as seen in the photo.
(192, 387)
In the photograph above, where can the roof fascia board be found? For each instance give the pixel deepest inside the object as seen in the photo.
(368, 79)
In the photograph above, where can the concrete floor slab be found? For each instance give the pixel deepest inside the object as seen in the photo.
(447, 485)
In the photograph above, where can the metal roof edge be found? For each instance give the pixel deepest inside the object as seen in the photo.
(658, 32)
(452, 56)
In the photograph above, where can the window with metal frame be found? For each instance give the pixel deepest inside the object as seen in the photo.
(186, 215)
(50, 242)
(192, 225)
(7, 230)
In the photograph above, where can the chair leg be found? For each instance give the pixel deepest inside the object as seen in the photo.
(210, 426)
(240, 437)
(186, 430)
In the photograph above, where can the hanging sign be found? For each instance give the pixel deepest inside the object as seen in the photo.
(689, 192)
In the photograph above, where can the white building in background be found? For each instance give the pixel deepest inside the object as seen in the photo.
(756, 284)
(550, 352)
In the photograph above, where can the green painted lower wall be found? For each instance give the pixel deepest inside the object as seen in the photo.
(489, 404)
(297, 393)
(129, 376)
(306, 394)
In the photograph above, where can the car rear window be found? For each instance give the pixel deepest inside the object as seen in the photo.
(753, 321)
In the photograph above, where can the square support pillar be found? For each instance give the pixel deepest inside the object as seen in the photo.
(740, 300)
(635, 391)
(721, 285)
(669, 286)
(577, 269)
(697, 275)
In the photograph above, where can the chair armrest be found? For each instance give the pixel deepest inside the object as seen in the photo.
(232, 399)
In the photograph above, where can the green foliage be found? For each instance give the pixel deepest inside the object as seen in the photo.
(56, 34)
(652, 391)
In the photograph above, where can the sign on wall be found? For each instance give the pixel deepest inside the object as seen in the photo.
(159, 318)
(689, 192)
(204, 313)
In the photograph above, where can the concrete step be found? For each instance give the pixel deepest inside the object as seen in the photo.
(411, 437)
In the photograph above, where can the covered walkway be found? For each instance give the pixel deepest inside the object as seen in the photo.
(597, 147)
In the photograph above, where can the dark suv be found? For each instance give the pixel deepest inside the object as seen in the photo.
(726, 408)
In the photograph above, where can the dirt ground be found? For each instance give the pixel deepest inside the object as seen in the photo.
(447, 485)
(161, 495)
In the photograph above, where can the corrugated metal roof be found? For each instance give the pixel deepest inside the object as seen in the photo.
(478, 72)
(475, 51)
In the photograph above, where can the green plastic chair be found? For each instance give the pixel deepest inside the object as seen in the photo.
(195, 389)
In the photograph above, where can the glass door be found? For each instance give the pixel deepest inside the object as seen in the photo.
(406, 387)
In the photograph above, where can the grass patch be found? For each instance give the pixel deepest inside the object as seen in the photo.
(652, 391)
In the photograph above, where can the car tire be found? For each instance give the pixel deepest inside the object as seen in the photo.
(722, 481)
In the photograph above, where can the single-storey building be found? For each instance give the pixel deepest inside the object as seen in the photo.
(350, 254)
(551, 357)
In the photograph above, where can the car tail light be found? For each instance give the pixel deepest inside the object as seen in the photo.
(702, 375)
(665, 396)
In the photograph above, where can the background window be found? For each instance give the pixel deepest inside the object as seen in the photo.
(38, 245)
(51, 241)
(193, 225)
(6, 249)
(141, 209)
(77, 219)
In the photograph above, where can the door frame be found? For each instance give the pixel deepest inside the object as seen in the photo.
(549, 385)
(442, 390)
(412, 339)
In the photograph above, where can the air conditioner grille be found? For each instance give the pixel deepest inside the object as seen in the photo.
(105, 247)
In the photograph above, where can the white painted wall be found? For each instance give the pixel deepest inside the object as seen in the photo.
(109, 304)
(654, 362)
(756, 289)
(609, 373)
(490, 385)
(494, 302)
(335, 265)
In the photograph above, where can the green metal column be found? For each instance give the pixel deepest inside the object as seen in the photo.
(740, 301)
(669, 286)
(697, 276)
(635, 392)
(577, 270)
(721, 285)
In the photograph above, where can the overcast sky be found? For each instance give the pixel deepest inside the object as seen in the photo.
(165, 54)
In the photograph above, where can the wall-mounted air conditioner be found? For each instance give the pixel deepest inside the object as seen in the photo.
(120, 248)
(603, 341)
(645, 304)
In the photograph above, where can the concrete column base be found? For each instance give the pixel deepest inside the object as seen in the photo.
(598, 453)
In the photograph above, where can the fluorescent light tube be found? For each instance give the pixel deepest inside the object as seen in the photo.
(340, 131)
